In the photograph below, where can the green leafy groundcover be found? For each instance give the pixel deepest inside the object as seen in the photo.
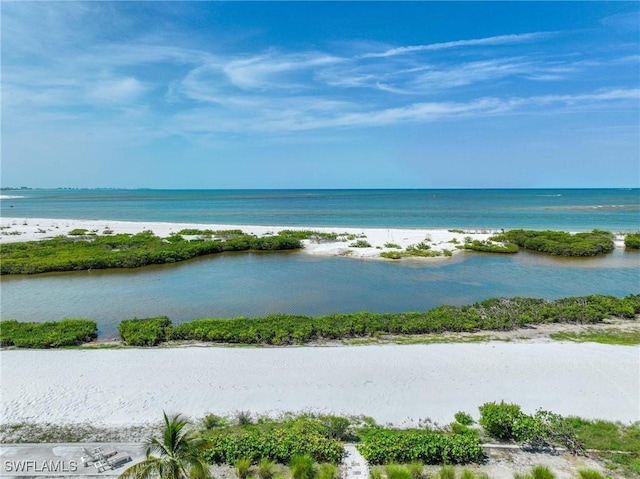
(492, 314)
(124, 251)
(632, 241)
(68, 332)
(275, 441)
(385, 446)
(559, 243)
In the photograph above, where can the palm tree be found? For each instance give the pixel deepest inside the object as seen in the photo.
(176, 455)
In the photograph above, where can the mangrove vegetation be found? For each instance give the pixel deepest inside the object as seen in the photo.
(496, 314)
(128, 250)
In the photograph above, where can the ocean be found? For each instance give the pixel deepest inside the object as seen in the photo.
(564, 209)
(251, 284)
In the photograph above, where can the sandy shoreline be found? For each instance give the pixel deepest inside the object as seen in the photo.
(396, 384)
(30, 229)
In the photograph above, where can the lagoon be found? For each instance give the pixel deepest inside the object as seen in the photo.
(255, 284)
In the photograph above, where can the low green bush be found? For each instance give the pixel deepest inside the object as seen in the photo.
(385, 446)
(498, 419)
(276, 441)
(463, 418)
(360, 244)
(559, 243)
(490, 247)
(124, 251)
(52, 334)
(145, 331)
(632, 241)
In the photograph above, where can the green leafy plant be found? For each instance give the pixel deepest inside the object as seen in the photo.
(498, 419)
(176, 454)
(52, 334)
(632, 241)
(464, 418)
(559, 243)
(145, 331)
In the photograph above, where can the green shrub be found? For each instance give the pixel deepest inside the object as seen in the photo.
(52, 334)
(301, 467)
(392, 245)
(360, 244)
(145, 331)
(78, 232)
(464, 418)
(559, 243)
(242, 468)
(490, 247)
(211, 421)
(385, 446)
(546, 429)
(336, 427)
(196, 232)
(491, 314)
(279, 442)
(391, 254)
(632, 241)
(498, 419)
(244, 418)
(123, 251)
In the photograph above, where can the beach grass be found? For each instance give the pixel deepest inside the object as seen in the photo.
(628, 337)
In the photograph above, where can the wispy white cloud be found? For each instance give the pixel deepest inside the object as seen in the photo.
(488, 41)
(191, 89)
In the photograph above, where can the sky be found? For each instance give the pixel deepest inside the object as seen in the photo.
(320, 94)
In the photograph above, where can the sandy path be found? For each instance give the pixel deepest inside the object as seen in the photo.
(396, 384)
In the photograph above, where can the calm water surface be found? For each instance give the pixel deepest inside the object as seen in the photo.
(231, 285)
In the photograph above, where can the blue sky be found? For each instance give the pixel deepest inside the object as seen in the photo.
(320, 94)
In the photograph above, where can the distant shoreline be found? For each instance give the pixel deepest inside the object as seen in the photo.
(34, 229)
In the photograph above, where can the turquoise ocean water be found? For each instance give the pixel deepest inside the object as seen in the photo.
(242, 284)
(573, 209)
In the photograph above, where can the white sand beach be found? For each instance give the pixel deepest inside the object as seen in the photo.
(30, 229)
(395, 384)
